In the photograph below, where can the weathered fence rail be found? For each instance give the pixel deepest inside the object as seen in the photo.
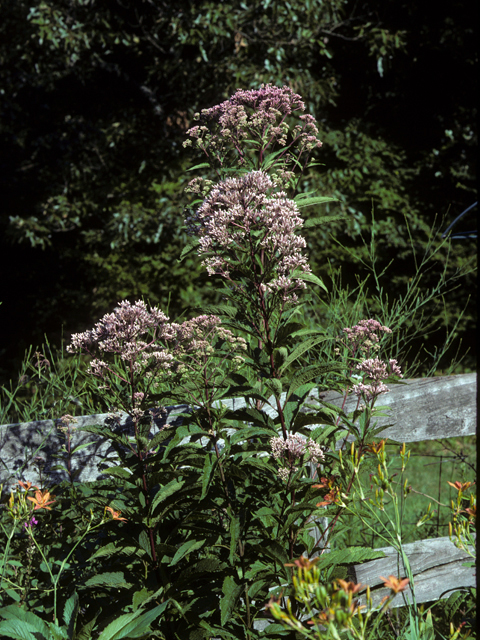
(421, 409)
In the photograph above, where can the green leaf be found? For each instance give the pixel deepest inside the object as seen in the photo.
(132, 625)
(321, 433)
(234, 535)
(141, 596)
(202, 165)
(57, 633)
(29, 620)
(294, 403)
(114, 579)
(169, 489)
(287, 332)
(213, 631)
(220, 310)
(308, 202)
(85, 632)
(118, 472)
(308, 277)
(310, 373)
(274, 550)
(187, 547)
(269, 159)
(70, 613)
(207, 473)
(19, 630)
(254, 416)
(301, 349)
(189, 248)
(111, 549)
(317, 222)
(231, 595)
(349, 555)
(248, 433)
(275, 386)
(81, 446)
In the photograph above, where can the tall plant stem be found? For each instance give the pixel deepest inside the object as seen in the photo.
(151, 530)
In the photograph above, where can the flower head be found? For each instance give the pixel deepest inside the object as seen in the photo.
(120, 332)
(242, 217)
(377, 371)
(27, 485)
(296, 446)
(472, 512)
(115, 514)
(42, 500)
(395, 584)
(257, 118)
(376, 447)
(31, 523)
(331, 498)
(349, 587)
(461, 486)
(364, 336)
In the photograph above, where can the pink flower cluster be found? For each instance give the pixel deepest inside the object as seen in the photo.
(364, 335)
(226, 225)
(377, 371)
(123, 333)
(255, 115)
(295, 447)
(195, 340)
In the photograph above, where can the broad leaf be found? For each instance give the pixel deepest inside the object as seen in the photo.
(187, 547)
(114, 579)
(19, 630)
(166, 491)
(202, 165)
(308, 277)
(317, 222)
(70, 613)
(207, 473)
(301, 349)
(187, 250)
(132, 625)
(308, 202)
(231, 595)
(349, 555)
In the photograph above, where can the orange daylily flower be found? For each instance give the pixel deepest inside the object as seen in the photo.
(349, 587)
(323, 617)
(325, 483)
(461, 486)
(330, 498)
(27, 485)
(472, 512)
(42, 500)
(395, 584)
(115, 514)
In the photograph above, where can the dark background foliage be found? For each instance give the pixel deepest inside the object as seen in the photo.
(96, 98)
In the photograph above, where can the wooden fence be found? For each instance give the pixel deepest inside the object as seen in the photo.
(421, 409)
(424, 409)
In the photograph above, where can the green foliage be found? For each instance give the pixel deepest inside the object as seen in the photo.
(196, 527)
(50, 384)
(25, 625)
(96, 102)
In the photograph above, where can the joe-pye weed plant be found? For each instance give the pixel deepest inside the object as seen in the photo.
(218, 510)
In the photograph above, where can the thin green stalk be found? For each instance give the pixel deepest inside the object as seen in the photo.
(62, 566)
(7, 548)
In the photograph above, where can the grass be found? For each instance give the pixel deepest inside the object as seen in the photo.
(432, 464)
